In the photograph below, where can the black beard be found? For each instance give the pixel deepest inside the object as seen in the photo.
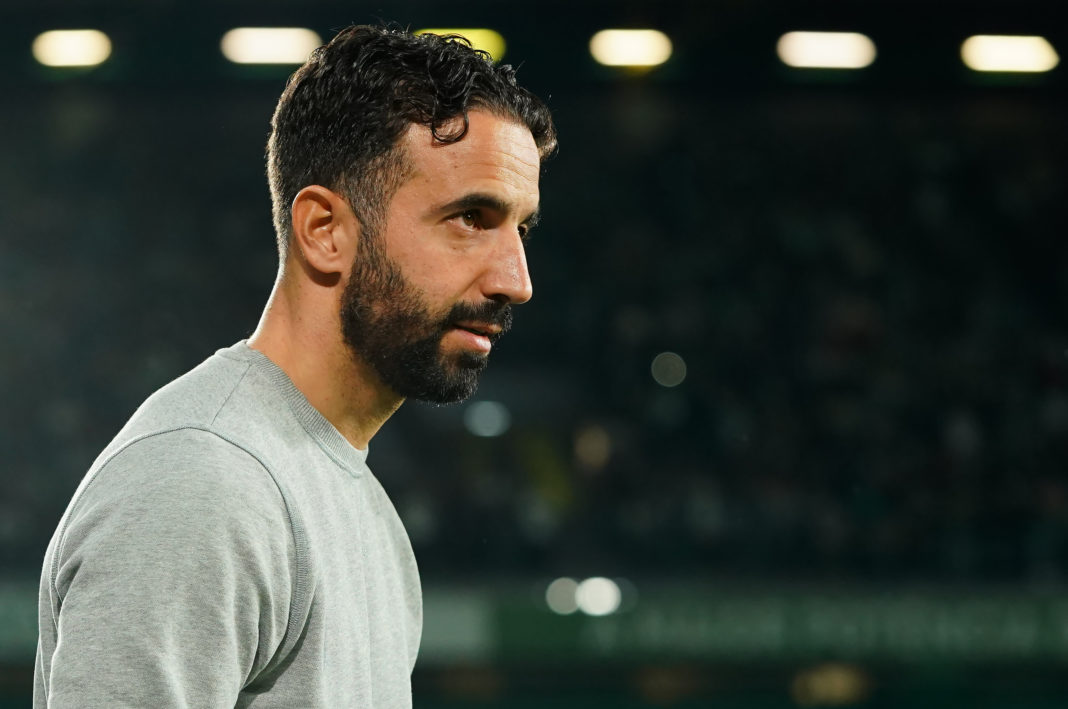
(386, 323)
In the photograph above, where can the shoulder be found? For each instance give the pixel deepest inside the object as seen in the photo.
(230, 396)
(182, 484)
(194, 398)
(183, 536)
(186, 458)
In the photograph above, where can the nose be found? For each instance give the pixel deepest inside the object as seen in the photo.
(507, 278)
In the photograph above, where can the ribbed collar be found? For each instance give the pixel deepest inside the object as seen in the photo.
(332, 442)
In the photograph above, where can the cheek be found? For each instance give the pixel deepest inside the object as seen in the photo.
(443, 277)
(435, 262)
(439, 290)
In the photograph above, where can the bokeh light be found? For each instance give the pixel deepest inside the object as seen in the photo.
(70, 48)
(561, 596)
(269, 45)
(593, 447)
(490, 41)
(1009, 54)
(598, 596)
(668, 369)
(830, 684)
(826, 50)
(487, 419)
(631, 48)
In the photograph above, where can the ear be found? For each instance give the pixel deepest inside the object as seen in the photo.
(325, 231)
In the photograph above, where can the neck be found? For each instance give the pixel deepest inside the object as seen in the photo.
(300, 331)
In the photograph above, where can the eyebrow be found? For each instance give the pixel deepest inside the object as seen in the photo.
(482, 200)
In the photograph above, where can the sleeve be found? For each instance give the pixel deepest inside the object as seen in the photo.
(172, 578)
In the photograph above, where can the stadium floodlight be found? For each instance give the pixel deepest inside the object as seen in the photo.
(71, 48)
(987, 52)
(598, 596)
(826, 50)
(269, 45)
(490, 41)
(631, 48)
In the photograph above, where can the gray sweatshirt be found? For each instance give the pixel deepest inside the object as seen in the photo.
(228, 548)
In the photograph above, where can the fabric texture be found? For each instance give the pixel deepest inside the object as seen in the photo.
(229, 548)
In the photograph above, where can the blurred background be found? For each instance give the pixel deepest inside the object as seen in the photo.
(784, 423)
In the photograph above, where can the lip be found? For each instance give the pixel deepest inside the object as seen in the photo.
(480, 328)
(473, 340)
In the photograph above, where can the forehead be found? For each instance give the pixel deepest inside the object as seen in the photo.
(496, 155)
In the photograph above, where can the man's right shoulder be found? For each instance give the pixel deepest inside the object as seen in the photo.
(183, 459)
(218, 434)
(172, 437)
(193, 399)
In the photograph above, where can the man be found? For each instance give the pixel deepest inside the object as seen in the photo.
(230, 546)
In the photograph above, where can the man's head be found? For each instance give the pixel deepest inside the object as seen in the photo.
(341, 117)
(436, 153)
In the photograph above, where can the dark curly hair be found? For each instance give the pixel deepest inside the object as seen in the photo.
(342, 114)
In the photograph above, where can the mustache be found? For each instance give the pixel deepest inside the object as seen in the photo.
(490, 311)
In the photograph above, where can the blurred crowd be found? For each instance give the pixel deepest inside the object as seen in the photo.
(866, 291)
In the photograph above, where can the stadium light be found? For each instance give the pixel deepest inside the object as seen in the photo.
(487, 40)
(598, 596)
(826, 50)
(631, 48)
(71, 48)
(986, 52)
(269, 45)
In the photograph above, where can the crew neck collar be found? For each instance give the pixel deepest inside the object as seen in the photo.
(318, 427)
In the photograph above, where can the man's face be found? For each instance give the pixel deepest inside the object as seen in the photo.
(429, 295)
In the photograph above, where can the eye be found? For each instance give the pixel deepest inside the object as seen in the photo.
(469, 218)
